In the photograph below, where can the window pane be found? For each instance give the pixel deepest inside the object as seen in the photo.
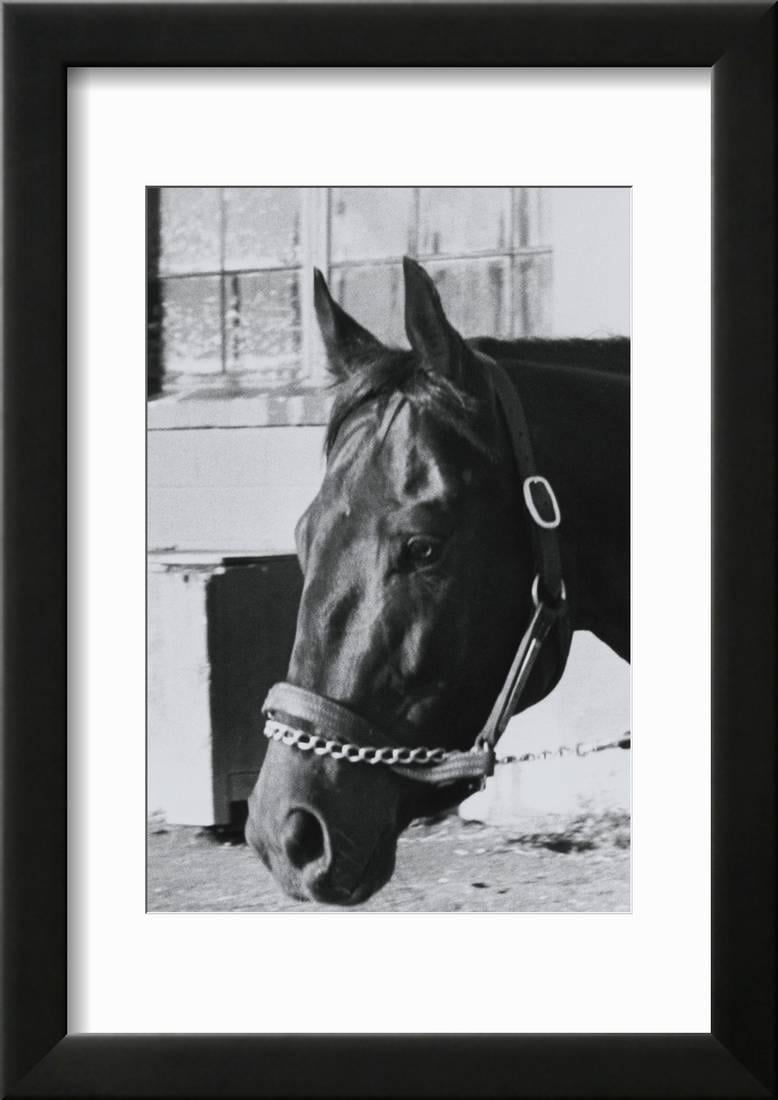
(264, 326)
(374, 296)
(475, 295)
(532, 295)
(261, 226)
(456, 220)
(189, 230)
(370, 223)
(191, 326)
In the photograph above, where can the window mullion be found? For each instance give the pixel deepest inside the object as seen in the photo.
(314, 233)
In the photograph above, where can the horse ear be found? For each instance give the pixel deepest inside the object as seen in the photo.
(431, 335)
(347, 344)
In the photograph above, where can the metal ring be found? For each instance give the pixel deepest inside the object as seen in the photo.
(535, 593)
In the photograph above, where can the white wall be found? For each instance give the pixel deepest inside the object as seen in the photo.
(179, 776)
(590, 236)
(231, 490)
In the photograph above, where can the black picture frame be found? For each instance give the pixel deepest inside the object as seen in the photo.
(41, 41)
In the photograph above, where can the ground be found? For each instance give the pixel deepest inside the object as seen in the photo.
(561, 863)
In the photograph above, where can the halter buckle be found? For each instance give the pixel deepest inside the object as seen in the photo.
(532, 508)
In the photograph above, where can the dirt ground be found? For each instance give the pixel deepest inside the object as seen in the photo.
(562, 863)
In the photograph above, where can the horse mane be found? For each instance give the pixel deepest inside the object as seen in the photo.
(610, 353)
(393, 371)
(388, 371)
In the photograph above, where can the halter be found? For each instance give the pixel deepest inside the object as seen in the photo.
(309, 722)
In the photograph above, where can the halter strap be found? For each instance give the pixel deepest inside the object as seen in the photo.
(548, 589)
(324, 716)
(539, 497)
(506, 703)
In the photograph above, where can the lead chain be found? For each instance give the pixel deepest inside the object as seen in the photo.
(344, 750)
(367, 754)
(583, 748)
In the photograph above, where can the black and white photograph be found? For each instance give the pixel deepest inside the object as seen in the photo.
(388, 534)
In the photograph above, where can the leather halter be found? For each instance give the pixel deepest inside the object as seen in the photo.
(302, 719)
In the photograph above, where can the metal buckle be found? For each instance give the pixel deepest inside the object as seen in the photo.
(548, 524)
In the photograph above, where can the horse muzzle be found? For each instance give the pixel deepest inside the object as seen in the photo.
(303, 829)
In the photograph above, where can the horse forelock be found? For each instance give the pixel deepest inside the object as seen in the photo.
(394, 372)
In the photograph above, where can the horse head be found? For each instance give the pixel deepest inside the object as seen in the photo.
(418, 571)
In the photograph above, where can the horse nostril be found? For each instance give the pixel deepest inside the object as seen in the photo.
(303, 838)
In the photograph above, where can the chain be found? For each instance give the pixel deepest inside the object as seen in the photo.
(583, 748)
(344, 750)
(367, 754)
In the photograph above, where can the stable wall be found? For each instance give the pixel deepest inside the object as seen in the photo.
(230, 491)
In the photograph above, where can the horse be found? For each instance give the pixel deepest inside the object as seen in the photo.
(435, 547)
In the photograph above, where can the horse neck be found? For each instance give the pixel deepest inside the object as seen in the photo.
(579, 422)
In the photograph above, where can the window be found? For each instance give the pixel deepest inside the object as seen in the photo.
(230, 310)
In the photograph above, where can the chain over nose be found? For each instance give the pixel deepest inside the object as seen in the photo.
(302, 837)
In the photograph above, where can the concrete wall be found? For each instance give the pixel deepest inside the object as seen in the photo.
(231, 490)
(179, 775)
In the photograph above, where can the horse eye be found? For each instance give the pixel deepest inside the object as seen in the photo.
(422, 550)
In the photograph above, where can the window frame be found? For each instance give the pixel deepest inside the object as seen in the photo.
(307, 399)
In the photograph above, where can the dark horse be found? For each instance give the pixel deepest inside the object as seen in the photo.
(418, 560)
